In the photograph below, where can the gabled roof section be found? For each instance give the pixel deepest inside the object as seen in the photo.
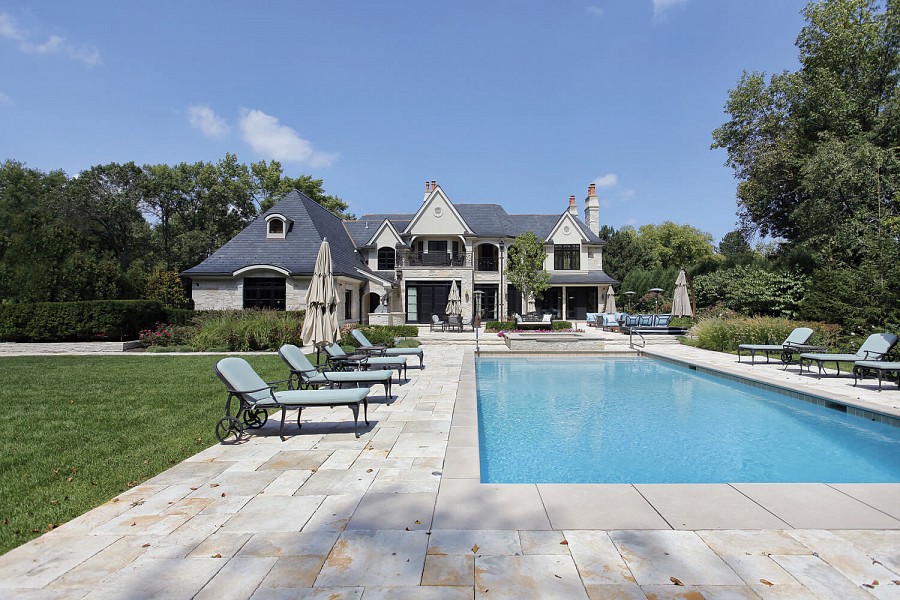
(393, 234)
(566, 224)
(437, 215)
(296, 253)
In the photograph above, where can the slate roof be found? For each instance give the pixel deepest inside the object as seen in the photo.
(297, 252)
(587, 278)
(486, 220)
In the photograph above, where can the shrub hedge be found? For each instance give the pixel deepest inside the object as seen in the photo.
(724, 335)
(78, 321)
(511, 325)
(247, 330)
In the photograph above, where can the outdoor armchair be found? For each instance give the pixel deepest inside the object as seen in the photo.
(338, 357)
(875, 347)
(368, 347)
(436, 323)
(798, 337)
(255, 397)
(307, 375)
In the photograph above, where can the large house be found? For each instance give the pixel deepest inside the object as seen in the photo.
(400, 268)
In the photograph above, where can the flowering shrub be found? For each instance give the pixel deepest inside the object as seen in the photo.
(165, 334)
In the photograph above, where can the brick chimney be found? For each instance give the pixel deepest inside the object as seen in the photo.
(427, 190)
(573, 208)
(592, 210)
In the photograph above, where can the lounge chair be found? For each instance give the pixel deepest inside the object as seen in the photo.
(611, 321)
(591, 319)
(875, 347)
(798, 337)
(308, 375)
(255, 398)
(436, 322)
(878, 367)
(368, 347)
(341, 360)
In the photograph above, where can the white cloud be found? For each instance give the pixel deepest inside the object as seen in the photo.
(55, 44)
(661, 6)
(607, 181)
(5, 99)
(202, 117)
(594, 11)
(270, 138)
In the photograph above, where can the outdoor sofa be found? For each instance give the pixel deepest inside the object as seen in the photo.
(650, 324)
(534, 321)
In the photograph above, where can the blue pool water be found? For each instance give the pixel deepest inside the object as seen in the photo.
(624, 420)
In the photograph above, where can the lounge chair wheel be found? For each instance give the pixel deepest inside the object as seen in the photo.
(229, 430)
(255, 418)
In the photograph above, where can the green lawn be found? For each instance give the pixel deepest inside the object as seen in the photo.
(81, 429)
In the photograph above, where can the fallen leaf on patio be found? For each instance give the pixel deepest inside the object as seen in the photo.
(216, 555)
(766, 582)
(675, 580)
(875, 561)
(214, 485)
(475, 549)
(193, 489)
(418, 522)
(564, 543)
(557, 576)
(368, 470)
(145, 546)
(868, 585)
(223, 494)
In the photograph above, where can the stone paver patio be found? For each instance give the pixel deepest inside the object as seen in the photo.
(401, 513)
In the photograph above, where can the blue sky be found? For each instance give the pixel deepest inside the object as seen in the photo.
(522, 103)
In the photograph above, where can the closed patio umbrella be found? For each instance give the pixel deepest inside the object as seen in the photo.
(681, 303)
(454, 306)
(610, 300)
(320, 326)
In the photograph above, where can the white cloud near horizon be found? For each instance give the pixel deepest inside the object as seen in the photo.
(594, 11)
(267, 136)
(205, 119)
(660, 7)
(606, 181)
(55, 44)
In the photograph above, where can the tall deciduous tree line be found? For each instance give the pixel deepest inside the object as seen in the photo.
(817, 156)
(120, 230)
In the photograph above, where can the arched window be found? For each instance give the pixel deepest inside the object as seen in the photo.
(386, 258)
(276, 227)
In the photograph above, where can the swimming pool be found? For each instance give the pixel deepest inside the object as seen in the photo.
(639, 420)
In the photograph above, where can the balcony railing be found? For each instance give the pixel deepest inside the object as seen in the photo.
(426, 260)
(487, 264)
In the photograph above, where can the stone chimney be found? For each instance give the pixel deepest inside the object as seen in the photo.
(573, 208)
(592, 210)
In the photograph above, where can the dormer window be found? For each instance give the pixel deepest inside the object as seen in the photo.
(277, 226)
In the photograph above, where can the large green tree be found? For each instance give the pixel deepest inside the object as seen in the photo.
(112, 230)
(817, 151)
(525, 266)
